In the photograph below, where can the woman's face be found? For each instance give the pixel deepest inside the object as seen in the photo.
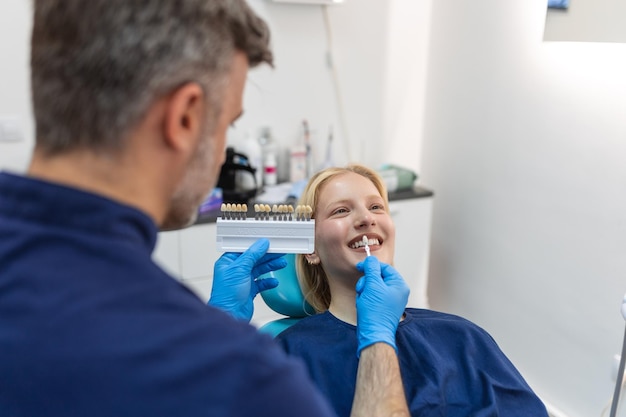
(350, 207)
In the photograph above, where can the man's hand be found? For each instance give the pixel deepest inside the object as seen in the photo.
(381, 298)
(235, 276)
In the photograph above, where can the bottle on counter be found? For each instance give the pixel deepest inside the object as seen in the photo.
(297, 163)
(270, 157)
(270, 174)
(251, 148)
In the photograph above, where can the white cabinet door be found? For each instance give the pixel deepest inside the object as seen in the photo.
(167, 252)
(198, 251)
(412, 218)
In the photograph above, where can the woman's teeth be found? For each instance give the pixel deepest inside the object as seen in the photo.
(360, 244)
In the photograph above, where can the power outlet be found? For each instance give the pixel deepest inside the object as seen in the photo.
(10, 128)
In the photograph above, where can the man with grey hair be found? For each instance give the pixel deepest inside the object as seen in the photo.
(132, 101)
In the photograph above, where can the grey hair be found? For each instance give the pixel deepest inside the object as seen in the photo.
(96, 66)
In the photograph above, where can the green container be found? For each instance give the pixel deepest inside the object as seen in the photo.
(397, 178)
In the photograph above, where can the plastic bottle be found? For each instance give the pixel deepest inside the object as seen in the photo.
(270, 175)
(270, 157)
(251, 147)
(297, 163)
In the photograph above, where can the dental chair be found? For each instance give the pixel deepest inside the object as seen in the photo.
(286, 299)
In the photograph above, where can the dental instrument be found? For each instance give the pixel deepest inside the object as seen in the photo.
(367, 246)
(288, 230)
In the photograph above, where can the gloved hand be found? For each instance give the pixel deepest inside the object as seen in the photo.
(235, 276)
(381, 298)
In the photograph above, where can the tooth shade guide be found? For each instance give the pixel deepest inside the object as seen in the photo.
(288, 233)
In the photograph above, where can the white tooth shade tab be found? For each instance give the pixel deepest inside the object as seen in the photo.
(361, 243)
(367, 246)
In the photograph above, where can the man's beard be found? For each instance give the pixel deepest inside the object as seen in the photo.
(196, 185)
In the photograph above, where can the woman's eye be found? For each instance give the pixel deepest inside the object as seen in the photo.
(340, 211)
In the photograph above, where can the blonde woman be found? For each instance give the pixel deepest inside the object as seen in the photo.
(449, 366)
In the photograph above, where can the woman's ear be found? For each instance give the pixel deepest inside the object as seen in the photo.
(312, 258)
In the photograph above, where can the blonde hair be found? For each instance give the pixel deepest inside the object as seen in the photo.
(312, 277)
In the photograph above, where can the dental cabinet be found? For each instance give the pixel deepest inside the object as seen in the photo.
(189, 254)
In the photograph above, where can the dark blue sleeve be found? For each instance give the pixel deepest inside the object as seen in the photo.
(290, 393)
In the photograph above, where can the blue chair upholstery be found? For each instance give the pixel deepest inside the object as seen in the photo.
(286, 299)
(276, 327)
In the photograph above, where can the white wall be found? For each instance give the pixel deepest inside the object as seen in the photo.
(372, 93)
(525, 147)
(406, 65)
(15, 24)
(362, 94)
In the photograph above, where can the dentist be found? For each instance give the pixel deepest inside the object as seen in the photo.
(132, 100)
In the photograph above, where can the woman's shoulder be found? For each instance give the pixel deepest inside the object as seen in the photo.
(425, 313)
(441, 321)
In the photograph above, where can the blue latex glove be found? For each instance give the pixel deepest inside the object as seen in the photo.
(381, 298)
(235, 276)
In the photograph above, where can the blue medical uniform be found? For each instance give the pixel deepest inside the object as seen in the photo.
(450, 367)
(91, 326)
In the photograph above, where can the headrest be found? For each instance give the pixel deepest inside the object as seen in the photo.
(287, 298)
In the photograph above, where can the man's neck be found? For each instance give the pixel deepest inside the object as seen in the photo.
(106, 174)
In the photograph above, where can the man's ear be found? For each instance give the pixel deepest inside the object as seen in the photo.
(184, 116)
(312, 258)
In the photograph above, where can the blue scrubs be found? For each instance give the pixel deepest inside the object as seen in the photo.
(91, 326)
(450, 367)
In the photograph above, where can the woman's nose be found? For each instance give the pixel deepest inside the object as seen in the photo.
(365, 218)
